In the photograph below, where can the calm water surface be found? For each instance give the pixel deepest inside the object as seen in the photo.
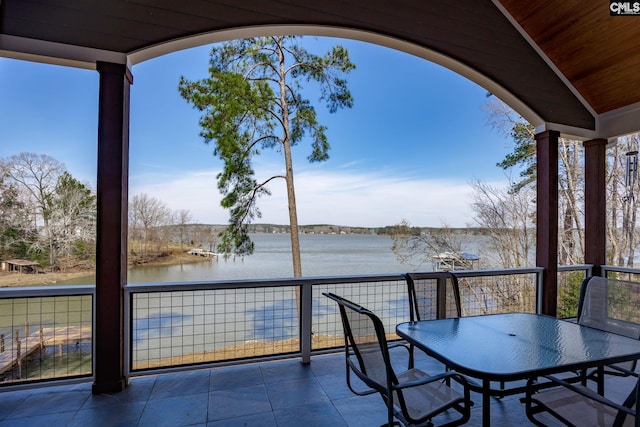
(322, 255)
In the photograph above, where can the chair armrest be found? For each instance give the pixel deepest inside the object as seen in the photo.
(581, 390)
(615, 368)
(403, 344)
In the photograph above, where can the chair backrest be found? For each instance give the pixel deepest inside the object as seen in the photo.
(610, 305)
(365, 345)
(431, 298)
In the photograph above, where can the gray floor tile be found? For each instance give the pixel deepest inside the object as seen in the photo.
(298, 392)
(238, 401)
(114, 415)
(175, 411)
(47, 402)
(362, 411)
(331, 364)
(257, 420)
(322, 414)
(180, 384)
(284, 370)
(235, 376)
(46, 420)
(335, 386)
(11, 400)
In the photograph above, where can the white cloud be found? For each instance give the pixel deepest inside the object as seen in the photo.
(370, 199)
(196, 191)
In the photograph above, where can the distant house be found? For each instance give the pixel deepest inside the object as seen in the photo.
(19, 265)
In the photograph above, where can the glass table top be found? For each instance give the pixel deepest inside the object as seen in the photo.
(513, 346)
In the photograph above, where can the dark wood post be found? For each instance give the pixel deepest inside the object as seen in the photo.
(547, 219)
(111, 245)
(595, 202)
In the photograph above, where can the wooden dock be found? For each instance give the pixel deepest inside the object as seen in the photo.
(24, 347)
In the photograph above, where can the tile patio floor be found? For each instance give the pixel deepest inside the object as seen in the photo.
(280, 393)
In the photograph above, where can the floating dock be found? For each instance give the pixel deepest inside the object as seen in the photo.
(24, 347)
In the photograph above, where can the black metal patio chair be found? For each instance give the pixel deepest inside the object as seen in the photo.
(611, 305)
(414, 397)
(577, 406)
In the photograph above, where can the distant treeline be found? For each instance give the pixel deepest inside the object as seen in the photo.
(341, 229)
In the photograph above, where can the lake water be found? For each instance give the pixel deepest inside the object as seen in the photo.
(322, 255)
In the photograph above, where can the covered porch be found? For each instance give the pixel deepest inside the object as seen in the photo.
(569, 69)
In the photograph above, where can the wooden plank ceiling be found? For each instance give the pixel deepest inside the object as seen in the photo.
(596, 52)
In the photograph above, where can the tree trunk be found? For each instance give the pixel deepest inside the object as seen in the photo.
(286, 148)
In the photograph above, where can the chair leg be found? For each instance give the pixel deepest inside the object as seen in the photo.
(390, 421)
(411, 361)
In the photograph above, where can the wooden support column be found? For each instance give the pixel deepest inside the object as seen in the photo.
(111, 244)
(547, 219)
(595, 202)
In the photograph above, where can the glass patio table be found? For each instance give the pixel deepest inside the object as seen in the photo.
(515, 346)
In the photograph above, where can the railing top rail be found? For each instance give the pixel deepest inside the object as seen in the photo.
(620, 269)
(574, 267)
(46, 291)
(476, 273)
(500, 272)
(258, 283)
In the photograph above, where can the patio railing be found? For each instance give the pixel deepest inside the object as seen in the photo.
(173, 326)
(46, 333)
(178, 325)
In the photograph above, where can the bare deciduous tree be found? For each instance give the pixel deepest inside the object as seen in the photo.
(416, 248)
(36, 177)
(146, 215)
(72, 215)
(182, 219)
(16, 228)
(622, 201)
(508, 218)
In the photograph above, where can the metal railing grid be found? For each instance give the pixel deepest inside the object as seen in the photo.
(45, 333)
(183, 327)
(177, 325)
(570, 278)
(622, 273)
(498, 291)
(386, 296)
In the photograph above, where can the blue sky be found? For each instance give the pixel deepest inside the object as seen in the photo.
(414, 139)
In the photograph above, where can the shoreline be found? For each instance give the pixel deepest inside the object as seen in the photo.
(16, 280)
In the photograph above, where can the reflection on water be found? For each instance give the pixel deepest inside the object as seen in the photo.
(158, 324)
(274, 320)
